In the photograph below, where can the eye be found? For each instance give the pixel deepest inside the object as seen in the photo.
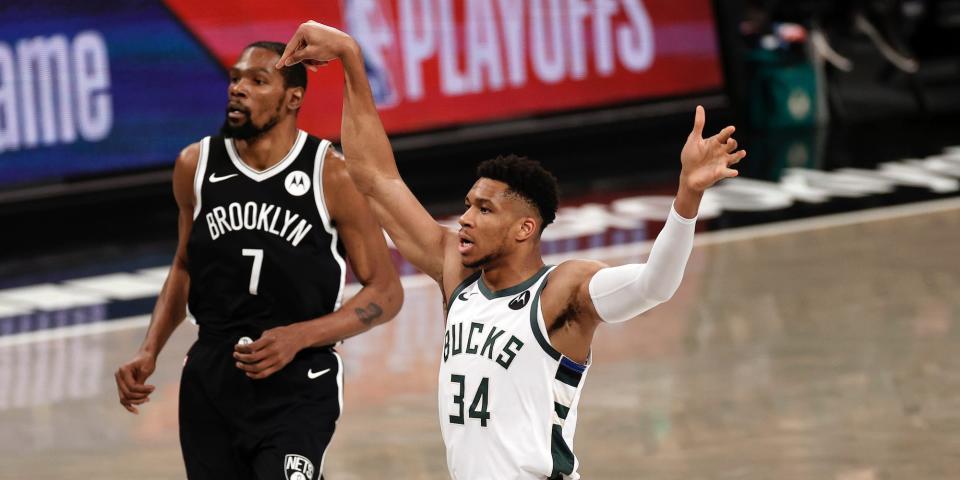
(484, 210)
(260, 82)
(234, 79)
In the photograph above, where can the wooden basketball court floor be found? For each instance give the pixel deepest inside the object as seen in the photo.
(824, 348)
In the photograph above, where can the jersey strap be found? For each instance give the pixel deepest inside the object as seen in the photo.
(321, 201)
(566, 386)
(463, 285)
(199, 174)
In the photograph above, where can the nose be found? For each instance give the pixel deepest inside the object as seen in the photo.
(466, 220)
(237, 89)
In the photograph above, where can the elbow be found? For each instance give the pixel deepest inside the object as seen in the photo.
(391, 298)
(396, 298)
(364, 178)
(662, 295)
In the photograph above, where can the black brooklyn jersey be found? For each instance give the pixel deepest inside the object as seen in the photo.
(263, 251)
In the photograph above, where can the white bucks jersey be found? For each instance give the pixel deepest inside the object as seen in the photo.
(508, 399)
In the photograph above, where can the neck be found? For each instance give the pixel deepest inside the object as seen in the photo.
(510, 272)
(267, 150)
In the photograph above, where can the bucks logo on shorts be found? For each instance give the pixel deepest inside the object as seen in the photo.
(297, 467)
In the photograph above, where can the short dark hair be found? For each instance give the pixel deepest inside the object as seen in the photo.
(528, 179)
(294, 75)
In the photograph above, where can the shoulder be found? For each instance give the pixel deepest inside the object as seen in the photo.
(341, 197)
(335, 174)
(189, 156)
(334, 155)
(185, 167)
(575, 271)
(568, 282)
(184, 171)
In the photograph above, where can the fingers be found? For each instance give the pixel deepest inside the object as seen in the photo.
(728, 173)
(258, 359)
(292, 46)
(699, 119)
(131, 391)
(252, 357)
(730, 146)
(263, 342)
(134, 387)
(735, 157)
(261, 369)
(725, 134)
(299, 55)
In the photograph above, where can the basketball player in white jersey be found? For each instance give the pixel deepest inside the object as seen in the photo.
(516, 346)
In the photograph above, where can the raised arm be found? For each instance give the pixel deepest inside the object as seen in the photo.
(599, 293)
(171, 306)
(382, 295)
(377, 302)
(620, 293)
(419, 238)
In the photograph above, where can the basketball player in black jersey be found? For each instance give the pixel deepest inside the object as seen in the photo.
(268, 219)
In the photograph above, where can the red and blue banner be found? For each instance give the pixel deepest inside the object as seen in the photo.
(88, 88)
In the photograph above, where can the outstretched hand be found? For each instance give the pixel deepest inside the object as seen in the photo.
(314, 45)
(706, 161)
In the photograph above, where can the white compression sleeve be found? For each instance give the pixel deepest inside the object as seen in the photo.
(621, 293)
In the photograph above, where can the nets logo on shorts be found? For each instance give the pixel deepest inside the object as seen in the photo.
(297, 467)
(297, 183)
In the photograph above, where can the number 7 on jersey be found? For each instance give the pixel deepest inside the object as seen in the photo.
(257, 255)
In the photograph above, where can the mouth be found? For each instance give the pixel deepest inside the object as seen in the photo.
(237, 112)
(466, 245)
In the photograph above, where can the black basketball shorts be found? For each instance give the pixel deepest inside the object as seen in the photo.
(278, 428)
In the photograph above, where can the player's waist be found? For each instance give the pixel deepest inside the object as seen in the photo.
(217, 335)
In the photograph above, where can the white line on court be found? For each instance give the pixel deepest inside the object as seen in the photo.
(636, 248)
(71, 331)
(50, 296)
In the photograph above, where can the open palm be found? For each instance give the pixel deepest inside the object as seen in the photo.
(706, 161)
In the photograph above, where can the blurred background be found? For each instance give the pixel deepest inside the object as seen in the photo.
(813, 336)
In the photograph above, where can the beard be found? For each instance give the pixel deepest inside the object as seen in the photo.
(479, 263)
(247, 130)
(486, 259)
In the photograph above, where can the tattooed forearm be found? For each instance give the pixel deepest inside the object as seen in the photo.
(369, 314)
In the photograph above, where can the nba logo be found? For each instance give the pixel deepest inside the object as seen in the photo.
(371, 23)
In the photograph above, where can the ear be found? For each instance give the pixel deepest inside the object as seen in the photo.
(294, 98)
(527, 228)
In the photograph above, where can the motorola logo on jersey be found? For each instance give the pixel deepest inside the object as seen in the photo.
(520, 301)
(297, 467)
(297, 183)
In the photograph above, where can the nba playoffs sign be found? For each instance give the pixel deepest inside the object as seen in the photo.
(95, 87)
(438, 63)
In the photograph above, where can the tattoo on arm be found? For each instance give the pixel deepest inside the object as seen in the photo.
(369, 314)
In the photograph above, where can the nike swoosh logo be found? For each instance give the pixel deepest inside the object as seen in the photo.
(311, 375)
(214, 178)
